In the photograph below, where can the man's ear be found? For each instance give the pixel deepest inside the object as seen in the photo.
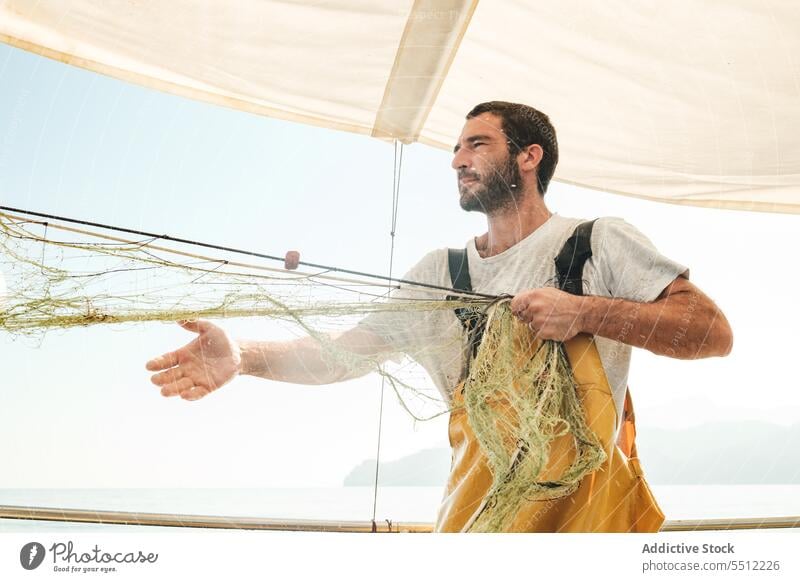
(530, 157)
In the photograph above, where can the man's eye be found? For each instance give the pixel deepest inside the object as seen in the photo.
(478, 143)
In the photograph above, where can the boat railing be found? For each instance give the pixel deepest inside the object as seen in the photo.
(384, 526)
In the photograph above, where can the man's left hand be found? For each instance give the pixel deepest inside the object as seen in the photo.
(551, 313)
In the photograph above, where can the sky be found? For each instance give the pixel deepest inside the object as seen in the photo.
(82, 145)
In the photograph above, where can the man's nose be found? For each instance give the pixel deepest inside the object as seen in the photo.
(460, 159)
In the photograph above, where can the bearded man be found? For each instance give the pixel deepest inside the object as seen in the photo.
(631, 295)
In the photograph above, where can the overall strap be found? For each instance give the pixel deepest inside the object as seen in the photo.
(572, 257)
(459, 269)
(569, 273)
(473, 319)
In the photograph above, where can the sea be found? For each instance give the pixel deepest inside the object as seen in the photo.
(397, 504)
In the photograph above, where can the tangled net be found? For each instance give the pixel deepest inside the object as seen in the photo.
(59, 277)
(520, 396)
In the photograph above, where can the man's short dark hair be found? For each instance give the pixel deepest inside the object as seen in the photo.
(523, 126)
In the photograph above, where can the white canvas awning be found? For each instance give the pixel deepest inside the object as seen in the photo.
(682, 102)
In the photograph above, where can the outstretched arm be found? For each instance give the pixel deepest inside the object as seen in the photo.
(213, 359)
(304, 361)
(681, 323)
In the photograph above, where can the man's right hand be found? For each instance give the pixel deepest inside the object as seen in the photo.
(208, 362)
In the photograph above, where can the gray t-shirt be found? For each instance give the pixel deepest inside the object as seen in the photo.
(624, 264)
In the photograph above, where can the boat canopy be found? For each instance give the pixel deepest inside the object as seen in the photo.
(680, 102)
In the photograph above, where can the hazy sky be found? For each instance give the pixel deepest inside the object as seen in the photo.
(82, 145)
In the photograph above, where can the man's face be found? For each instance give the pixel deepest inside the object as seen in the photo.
(489, 179)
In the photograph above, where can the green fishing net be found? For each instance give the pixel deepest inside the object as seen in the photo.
(59, 277)
(520, 396)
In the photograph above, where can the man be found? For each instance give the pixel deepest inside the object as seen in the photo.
(632, 296)
(504, 159)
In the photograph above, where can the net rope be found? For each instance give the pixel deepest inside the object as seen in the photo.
(520, 396)
(60, 277)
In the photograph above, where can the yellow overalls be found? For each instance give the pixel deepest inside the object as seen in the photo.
(614, 498)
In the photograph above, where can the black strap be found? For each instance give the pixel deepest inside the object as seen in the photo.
(473, 319)
(569, 274)
(572, 257)
(569, 263)
(459, 269)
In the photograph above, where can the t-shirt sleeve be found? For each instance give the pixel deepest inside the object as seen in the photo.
(629, 264)
(407, 331)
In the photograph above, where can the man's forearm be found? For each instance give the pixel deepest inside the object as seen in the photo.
(313, 361)
(684, 325)
(299, 362)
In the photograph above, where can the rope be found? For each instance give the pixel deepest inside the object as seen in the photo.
(398, 166)
(180, 240)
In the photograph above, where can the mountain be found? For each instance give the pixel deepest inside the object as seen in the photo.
(722, 453)
(427, 468)
(729, 453)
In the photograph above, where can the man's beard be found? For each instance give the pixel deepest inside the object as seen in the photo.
(498, 191)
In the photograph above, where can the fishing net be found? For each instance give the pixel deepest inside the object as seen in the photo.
(60, 277)
(520, 396)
